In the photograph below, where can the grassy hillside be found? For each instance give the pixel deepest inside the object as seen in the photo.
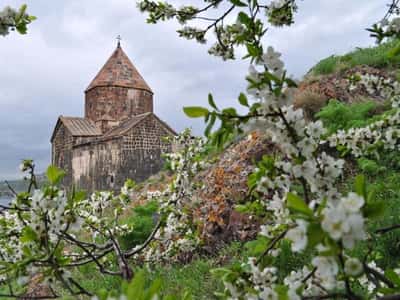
(376, 57)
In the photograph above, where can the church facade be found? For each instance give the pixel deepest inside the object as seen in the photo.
(119, 137)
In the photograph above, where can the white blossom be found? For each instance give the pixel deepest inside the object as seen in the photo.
(298, 236)
(353, 266)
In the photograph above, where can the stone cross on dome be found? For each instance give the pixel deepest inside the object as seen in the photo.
(119, 38)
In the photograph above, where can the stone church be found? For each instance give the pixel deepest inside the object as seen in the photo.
(119, 137)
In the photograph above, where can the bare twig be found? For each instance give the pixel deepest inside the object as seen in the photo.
(272, 245)
(10, 188)
(387, 229)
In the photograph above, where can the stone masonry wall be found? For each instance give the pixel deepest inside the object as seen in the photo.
(95, 165)
(142, 149)
(107, 164)
(117, 102)
(62, 152)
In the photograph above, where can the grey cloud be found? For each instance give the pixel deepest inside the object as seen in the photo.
(45, 73)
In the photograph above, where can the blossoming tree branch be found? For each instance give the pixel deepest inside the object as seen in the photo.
(12, 19)
(318, 218)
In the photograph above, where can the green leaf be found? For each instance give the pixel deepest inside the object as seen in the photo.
(187, 296)
(136, 288)
(282, 292)
(102, 293)
(374, 210)
(20, 13)
(371, 196)
(211, 102)
(22, 28)
(79, 196)
(291, 82)
(295, 203)
(253, 51)
(244, 18)
(54, 174)
(360, 186)
(315, 234)
(243, 100)
(395, 51)
(220, 272)
(210, 125)
(252, 181)
(393, 277)
(255, 107)
(28, 235)
(195, 111)
(154, 289)
(257, 247)
(238, 3)
(230, 111)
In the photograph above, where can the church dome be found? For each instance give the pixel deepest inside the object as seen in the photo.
(119, 71)
(118, 91)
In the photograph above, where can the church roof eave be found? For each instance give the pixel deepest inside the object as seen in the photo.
(78, 127)
(130, 123)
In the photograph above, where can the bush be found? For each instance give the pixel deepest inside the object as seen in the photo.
(142, 219)
(338, 115)
(311, 102)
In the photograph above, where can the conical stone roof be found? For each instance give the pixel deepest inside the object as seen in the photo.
(119, 71)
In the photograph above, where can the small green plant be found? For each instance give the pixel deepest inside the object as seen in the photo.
(369, 166)
(338, 115)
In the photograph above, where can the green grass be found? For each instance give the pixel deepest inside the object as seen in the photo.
(374, 56)
(92, 280)
(177, 279)
(195, 277)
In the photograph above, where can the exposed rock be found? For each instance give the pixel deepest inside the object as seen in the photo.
(335, 86)
(224, 186)
(37, 289)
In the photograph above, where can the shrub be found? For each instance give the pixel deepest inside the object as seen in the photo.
(338, 115)
(369, 166)
(142, 219)
(311, 102)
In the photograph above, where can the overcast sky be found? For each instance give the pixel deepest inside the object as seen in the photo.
(43, 74)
